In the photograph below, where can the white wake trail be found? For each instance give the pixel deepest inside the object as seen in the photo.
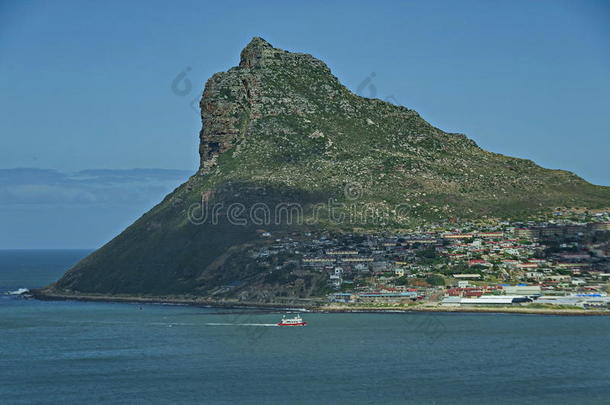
(239, 324)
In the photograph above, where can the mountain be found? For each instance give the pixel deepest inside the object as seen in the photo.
(286, 149)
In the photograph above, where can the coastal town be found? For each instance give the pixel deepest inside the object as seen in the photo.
(558, 262)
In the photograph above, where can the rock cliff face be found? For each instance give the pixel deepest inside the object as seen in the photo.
(280, 129)
(233, 100)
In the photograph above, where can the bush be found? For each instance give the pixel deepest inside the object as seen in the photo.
(435, 280)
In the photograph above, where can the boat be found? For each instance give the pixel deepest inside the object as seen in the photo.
(296, 321)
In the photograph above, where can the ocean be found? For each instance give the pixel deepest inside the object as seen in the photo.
(115, 353)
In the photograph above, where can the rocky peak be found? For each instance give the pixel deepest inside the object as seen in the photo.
(256, 52)
(267, 82)
(228, 99)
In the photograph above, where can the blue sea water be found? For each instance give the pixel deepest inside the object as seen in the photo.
(79, 352)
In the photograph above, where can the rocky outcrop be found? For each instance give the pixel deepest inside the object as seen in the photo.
(233, 100)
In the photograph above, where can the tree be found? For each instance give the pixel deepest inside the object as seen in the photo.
(404, 280)
(435, 280)
(428, 253)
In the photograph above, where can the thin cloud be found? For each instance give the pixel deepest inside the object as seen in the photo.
(30, 186)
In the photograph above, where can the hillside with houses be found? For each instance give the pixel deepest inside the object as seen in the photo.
(563, 261)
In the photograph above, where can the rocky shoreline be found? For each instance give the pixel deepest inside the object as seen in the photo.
(309, 305)
(45, 295)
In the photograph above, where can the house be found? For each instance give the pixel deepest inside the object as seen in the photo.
(479, 262)
(491, 234)
(526, 233)
(522, 289)
(458, 235)
(453, 301)
(361, 267)
(484, 300)
(467, 276)
(558, 278)
(536, 275)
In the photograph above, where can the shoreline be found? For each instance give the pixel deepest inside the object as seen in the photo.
(130, 299)
(311, 305)
(478, 310)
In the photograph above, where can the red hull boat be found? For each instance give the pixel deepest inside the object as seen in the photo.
(296, 321)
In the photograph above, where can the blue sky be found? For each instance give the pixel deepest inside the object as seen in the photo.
(88, 85)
